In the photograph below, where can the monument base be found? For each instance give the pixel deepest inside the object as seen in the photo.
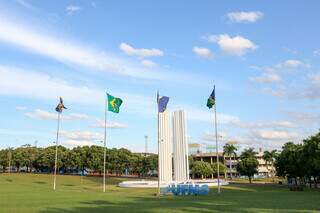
(154, 184)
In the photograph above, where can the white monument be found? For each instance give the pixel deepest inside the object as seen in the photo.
(180, 147)
(165, 145)
(172, 140)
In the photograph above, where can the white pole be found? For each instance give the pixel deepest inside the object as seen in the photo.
(10, 156)
(158, 145)
(56, 157)
(217, 154)
(104, 146)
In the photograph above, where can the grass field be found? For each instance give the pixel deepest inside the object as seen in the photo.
(33, 193)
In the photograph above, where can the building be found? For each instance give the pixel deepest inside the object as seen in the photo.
(264, 169)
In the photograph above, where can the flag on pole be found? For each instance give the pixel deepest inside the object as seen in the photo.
(60, 106)
(114, 103)
(212, 99)
(162, 103)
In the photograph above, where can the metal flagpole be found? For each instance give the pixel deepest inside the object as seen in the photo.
(56, 157)
(217, 154)
(9, 156)
(158, 145)
(104, 145)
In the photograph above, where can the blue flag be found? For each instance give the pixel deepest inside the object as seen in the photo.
(162, 103)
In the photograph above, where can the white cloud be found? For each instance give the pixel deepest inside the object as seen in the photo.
(263, 125)
(232, 45)
(110, 125)
(303, 118)
(41, 114)
(73, 143)
(129, 50)
(81, 138)
(291, 64)
(203, 52)
(275, 135)
(68, 52)
(44, 87)
(267, 78)
(287, 124)
(45, 115)
(21, 108)
(148, 63)
(25, 4)
(316, 52)
(196, 114)
(245, 17)
(315, 78)
(71, 9)
(222, 136)
(77, 116)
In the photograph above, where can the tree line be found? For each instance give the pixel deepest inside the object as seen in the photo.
(77, 160)
(299, 163)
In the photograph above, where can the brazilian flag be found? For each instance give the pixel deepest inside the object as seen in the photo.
(114, 103)
(212, 99)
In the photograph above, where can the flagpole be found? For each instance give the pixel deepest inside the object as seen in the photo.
(217, 154)
(158, 145)
(104, 146)
(56, 155)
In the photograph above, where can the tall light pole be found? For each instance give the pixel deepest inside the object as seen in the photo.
(145, 145)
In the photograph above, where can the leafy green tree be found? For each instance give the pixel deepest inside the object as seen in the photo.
(95, 158)
(5, 157)
(248, 163)
(18, 159)
(229, 150)
(291, 162)
(222, 168)
(201, 169)
(311, 151)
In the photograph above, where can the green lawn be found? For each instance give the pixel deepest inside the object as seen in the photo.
(33, 193)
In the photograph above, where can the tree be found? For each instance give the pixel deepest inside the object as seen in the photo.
(5, 156)
(291, 162)
(248, 163)
(229, 149)
(311, 151)
(201, 169)
(18, 159)
(222, 168)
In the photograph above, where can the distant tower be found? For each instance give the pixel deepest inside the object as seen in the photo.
(180, 147)
(145, 145)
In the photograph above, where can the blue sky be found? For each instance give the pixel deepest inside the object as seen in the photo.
(263, 58)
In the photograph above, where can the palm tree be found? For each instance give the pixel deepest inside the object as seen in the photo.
(229, 149)
(273, 157)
